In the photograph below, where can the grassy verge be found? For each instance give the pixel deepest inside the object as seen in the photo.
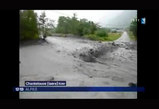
(132, 37)
(110, 37)
(113, 36)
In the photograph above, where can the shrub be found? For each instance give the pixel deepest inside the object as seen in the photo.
(101, 33)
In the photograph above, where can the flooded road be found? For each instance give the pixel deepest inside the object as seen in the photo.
(80, 62)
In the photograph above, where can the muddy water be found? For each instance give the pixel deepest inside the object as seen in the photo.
(115, 60)
(80, 62)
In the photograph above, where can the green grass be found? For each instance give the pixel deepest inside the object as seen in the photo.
(113, 36)
(132, 37)
(110, 37)
(94, 37)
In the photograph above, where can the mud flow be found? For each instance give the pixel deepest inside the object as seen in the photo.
(80, 62)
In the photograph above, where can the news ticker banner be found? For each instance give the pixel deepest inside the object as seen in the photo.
(60, 86)
(79, 89)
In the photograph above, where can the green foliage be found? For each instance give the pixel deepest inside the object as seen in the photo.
(108, 30)
(72, 25)
(110, 37)
(49, 31)
(28, 25)
(64, 25)
(92, 37)
(113, 36)
(133, 27)
(101, 32)
(85, 28)
(131, 35)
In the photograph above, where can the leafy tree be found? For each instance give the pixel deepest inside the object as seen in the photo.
(28, 25)
(74, 26)
(42, 24)
(63, 22)
(133, 27)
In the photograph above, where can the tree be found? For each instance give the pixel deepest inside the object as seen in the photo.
(49, 27)
(42, 24)
(133, 27)
(74, 26)
(63, 22)
(28, 25)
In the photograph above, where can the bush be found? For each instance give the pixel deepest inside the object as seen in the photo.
(101, 33)
(110, 37)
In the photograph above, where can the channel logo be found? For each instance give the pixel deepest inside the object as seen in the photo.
(143, 20)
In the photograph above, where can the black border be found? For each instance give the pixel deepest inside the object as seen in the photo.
(146, 49)
(148, 54)
(9, 54)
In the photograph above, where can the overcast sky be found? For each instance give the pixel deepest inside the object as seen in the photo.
(92, 15)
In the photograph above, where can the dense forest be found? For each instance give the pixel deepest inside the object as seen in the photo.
(32, 27)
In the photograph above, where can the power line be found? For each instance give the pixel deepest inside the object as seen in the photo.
(62, 13)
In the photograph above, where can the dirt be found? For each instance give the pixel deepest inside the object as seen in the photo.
(80, 62)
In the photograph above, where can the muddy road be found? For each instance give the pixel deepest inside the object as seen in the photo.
(80, 62)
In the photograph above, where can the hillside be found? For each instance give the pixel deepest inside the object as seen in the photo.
(122, 20)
